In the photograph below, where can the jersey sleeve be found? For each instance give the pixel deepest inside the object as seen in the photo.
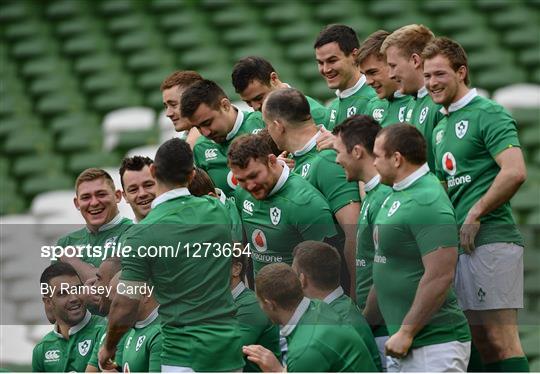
(154, 352)
(498, 130)
(93, 361)
(315, 221)
(135, 267)
(332, 183)
(437, 228)
(310, 360)
(37, 359)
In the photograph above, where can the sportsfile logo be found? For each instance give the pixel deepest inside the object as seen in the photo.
(248, 207)
(210, 154)
(52, 355)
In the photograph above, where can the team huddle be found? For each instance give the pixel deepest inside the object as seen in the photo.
(374, 234)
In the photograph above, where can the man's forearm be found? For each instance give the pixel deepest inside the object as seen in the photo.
(371, 311)
(122, 316)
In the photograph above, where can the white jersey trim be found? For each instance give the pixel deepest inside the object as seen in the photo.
(288, 328)
(422, 92)
(74, 329)
(282, 178)
(169, 195)
(352, 90)
(221, 195)
(237, 124)
(240, 287)
(411, 178)
(374, 182)
(148, 320)
(308, 146)
(332, 296)
(461, 103)
(109, 225)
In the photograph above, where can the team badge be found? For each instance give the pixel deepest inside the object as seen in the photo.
(333, 115)
(110, 243)
(409, 116)
(140, 342)
(210, 154)
(231, 180)
(395, 206)
(351, 111)
(401, 115)
(275, 215)
(423, 114)
(378, 114)
(439, 136)
(449, 163)
(305, 170)
(248, 207)
(259, 240)
(84, 347)
(461, 129)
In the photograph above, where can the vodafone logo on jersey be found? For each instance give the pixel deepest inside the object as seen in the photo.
(449, 163)
(259, 240)
(231, 180)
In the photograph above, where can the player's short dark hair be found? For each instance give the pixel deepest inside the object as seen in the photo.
(371, 46)
(174, 162)
(452, 50)
(358, 129)
(92, 174)
(183, 79)
(249, 69)
(343, 35)
(280, 284)
(242, 261)
(287, 104)
(201, 92)
(405, 139)
(320, 262)
(247, 147)
(135, 163)
(201, 184)
(57, 269)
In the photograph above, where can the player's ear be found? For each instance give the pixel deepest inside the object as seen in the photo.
(117, 196)
(153, 171)
(355, 52)
(416, 60)
(225, 104)
(303, 280)
(357, 152)
(274, 78)
(462, 72)
(272, 159)
(76, 203)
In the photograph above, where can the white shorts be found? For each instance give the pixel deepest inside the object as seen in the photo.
(436, 358)
(381, 341)
(185, 369)
(490, 278)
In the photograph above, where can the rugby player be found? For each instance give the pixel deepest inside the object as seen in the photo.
(416, 240)
(209, 109)
(478, 157)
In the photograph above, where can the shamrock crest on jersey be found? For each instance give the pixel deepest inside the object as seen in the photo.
(461, 128)
(275, 215)
(401, 115)
(140, 342)
(439, 136)
(305, 170)
(395, 206)
(333, 115)
(423, 114)
(449, 163)
(84, 347)
(259, 240)
(409, 115)
(351, 111)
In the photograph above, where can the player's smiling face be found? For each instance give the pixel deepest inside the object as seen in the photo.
(98, 202)
(213, 124)
(255, 93)
(402, 70)
(340, 71)
(257, 177)
(345, 159)
(139, 190)
(377, 76)
(67, 306)
(171, 102)
(442, 81)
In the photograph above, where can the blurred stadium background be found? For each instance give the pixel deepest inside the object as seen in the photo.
(79, 87)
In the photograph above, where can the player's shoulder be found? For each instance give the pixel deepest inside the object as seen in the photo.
(73, 236)
(487, 106)
(299, 192)
(47, 340)
(253, 118)
(428, 191)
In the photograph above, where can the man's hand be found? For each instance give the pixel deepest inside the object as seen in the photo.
(398, 344)
(325, 140)
(288, 161)
(262, 357)
(105, 359)
(468, 232)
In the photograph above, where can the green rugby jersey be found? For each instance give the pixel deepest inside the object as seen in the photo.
(424, 114)
(294, 211)
(105, 238)
(199, 327)
(376, 192)
(142, 349)
(56, 354)
(349, 102)
(255, 326)
(95, 351)
(349, 312)
(212, 157)
(233, 213)
(414, 220)
(389, 111)
(319, 340)
(466, 142)
(319, 112)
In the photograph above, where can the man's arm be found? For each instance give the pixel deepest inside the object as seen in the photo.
(371, 311)
(511, 176)
(347, 218)
(263, 358)
(439, 267)
(122, 316)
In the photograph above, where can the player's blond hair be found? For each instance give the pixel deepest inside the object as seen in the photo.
(410, 39)
(92, 174)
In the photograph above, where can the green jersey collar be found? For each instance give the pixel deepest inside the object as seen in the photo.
(288, 328)
(354, 89)
(221, 195)
(282, 178)
(374, 182)
(237, 124)
(331, 297)
(169, 195)
(109, 225)
(461, 103)
(422, 92)
(411, 178)
(148, 320)
(240, 287)
(308, 146)
(74, 329)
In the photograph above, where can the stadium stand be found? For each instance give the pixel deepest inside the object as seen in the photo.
(68, 67)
